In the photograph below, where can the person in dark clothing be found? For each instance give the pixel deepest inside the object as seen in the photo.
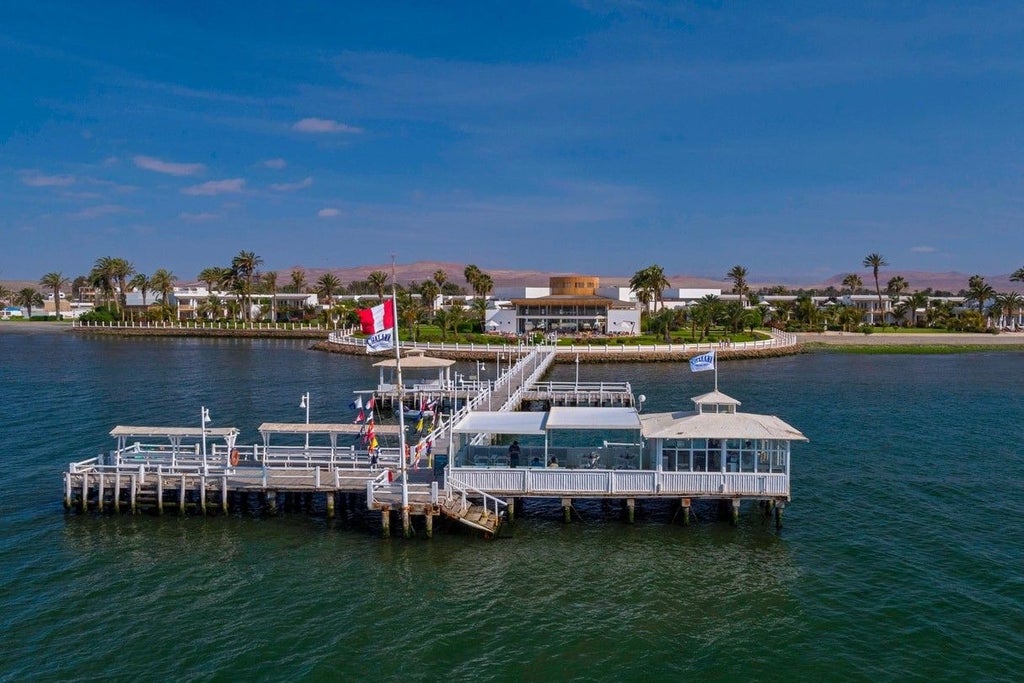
(513, 454)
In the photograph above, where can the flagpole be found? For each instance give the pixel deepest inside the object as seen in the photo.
(406, 522)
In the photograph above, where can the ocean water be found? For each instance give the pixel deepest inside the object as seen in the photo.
(902, 556)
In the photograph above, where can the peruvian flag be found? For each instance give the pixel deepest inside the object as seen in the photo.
(379, 323)
(378, 318)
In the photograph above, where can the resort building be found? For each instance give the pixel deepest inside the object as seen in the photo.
(573, 304)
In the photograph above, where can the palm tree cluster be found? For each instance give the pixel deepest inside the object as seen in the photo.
(648, 284)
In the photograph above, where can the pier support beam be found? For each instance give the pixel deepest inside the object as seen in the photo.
(567, 509)
(271, 497)
(181, 496)
(510, 507)
(85, 491)
(630, 510)
(134, 494)
(159, 493)
(429, 515)
(117, 492)
(224, 493)
(202, 494)
(685, 502)
(779, 507)
(735, 518)
(99, 493)
(67, 490)
(330, 505)
(385, 522)
(406, 522)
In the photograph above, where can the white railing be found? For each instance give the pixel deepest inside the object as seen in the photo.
(203, 325)
(569, 483)
(458, 489)
(778, 339)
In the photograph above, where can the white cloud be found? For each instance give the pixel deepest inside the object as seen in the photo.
(288, 187)
(313, 125)
(328, 213)
(198, 217)
(168, 167)
(214, 187)
(275, 163)
(33, 179)
(100, 211)
(923, 250)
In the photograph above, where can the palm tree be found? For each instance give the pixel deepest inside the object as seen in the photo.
(471, 273)
(270, 285)
(28, 298)
(456, 317)
(326, 286)
(244, 267)
(916, 301)
(979, 291)
(163, 281)
(122, 270)
(5, 294)
(298, 281)
(77, 285)
(874, 262)
(378, 279)
(479, 308)
(738, 275)
(484, 285)
(102, 278)
(1018, 275)
(896, 285)
(440, 277)
(54, 281)
(704, 313)
(640, 284)
(1007, 304)
(428, 293)
(211, 277)
(854, 282)
(143, 284)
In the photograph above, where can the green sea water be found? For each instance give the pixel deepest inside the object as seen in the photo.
(902, 556)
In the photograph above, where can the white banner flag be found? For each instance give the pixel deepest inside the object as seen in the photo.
(381, 341)
(703, 362)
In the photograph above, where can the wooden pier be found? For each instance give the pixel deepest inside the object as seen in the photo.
(713, 453)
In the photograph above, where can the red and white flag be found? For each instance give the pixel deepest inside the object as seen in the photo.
(378, 318)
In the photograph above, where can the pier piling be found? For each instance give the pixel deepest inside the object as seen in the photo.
(630, 510)
(779, 507)
(567, 509)
(271, 498)
(406, 522)
(685, 502)
(735, 518)
(385, 522)
(428, 514)
(330, 505)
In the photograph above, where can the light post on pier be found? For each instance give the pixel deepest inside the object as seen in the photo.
(304, 403)
(204, 417)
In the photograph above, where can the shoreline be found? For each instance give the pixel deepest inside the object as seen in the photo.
(838, 342)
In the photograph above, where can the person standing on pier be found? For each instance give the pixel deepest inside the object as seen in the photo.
(513, 454)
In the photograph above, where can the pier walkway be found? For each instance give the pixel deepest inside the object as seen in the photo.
(462, 473)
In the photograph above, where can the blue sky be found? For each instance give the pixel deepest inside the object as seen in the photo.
(596, 137)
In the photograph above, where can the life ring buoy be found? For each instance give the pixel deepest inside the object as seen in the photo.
(391, 476)
(234, 457)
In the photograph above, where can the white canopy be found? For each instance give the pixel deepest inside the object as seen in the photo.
(172, 432)
(689, 425)
(574, 417)
(316, 428)
(559, 418)
(494, 422)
